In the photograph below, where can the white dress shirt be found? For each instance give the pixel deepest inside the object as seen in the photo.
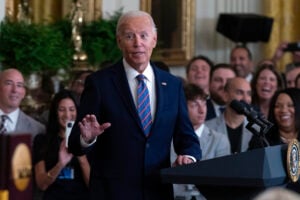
(11, 122)
(131, 74)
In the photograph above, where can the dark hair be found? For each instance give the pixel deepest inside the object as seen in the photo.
(53, 122)
(199, 57)
(221, 66)
(193, 91)
(294, 94)
(255, 98)
(239, 46)
(297, 78)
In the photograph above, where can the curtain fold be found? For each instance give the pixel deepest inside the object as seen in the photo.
(285, 27)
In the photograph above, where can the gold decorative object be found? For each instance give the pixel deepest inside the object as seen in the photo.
(180, 48)
(77, 18)
(24, 11)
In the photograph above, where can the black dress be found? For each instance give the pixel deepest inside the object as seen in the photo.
(69, 184)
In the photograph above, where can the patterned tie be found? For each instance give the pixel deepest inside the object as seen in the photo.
(222, 109)
(2, 125)
(143, 104)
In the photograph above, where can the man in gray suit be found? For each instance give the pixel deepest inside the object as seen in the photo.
(230, 123)
(212, 144)
(12, 92)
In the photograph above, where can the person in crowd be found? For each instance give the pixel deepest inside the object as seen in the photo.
(291, 71)
(284, 113)
(281, 50)
(213, 144)
(265, 83)
(77, 84)
(197, 71)
(59, 173)
(277, 193)
(129, 141)
(219, 75)
(231, 123)
(297, 81)
(12, 92)
(241, 61)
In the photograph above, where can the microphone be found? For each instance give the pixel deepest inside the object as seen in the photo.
(241, 107)
(69, 126)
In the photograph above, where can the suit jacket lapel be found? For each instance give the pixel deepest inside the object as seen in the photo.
(121, 83)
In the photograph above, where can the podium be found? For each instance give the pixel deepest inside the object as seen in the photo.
(15, 167)
(238, 176)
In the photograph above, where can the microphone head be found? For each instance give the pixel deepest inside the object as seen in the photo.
(237, 106)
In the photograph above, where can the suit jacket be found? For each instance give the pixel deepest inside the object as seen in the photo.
(218, 124)
(125, 163)
(27, 124)
(211, 113)
(213, 145)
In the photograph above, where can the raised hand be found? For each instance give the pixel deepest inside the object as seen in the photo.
(64, 155)
(90, 128)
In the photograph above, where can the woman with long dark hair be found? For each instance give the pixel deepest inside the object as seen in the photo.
(57, 172)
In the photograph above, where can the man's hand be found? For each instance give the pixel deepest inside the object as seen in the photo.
(90, 128)
(182, 160)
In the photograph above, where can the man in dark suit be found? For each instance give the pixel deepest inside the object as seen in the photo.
(12, 92)
(125, 157)
(219, 75)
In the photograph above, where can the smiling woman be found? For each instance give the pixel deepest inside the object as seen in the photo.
(175, 25)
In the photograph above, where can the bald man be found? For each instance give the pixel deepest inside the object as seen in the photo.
(230, 123)
(12, 92)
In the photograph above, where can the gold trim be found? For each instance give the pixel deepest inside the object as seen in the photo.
(178, 56)
(293, 160)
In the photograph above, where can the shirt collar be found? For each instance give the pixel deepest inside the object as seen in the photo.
(12, 116)
(199, 130)
(131, 73)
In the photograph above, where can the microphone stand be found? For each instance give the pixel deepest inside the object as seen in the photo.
(264, 129)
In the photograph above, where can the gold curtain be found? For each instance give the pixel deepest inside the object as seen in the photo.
(47, 11)
(286, 27)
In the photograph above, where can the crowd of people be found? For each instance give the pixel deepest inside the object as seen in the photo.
(134, 118)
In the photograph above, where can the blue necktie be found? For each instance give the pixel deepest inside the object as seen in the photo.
(143, 104)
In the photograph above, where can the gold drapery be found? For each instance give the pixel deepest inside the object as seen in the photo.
(285, 26)
(47, 11)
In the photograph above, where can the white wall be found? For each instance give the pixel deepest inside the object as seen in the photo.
(2, 9)
(110, 6)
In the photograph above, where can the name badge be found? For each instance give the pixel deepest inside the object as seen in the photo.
(66, 173)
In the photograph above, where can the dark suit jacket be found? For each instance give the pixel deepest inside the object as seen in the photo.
(210, 110)
(125, 163)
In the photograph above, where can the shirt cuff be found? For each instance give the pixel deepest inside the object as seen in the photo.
(191, 157)
(85, 144)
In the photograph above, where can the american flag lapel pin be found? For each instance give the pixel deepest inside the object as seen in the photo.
(163, 83)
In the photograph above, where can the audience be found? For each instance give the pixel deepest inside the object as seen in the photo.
(241, 61)
(198, 70)
(284, 113)
(12, 92)
(291, 71)
(265, 83)
(77, 84)
(57, 172)
(219, 75)
(213, 144)
(277, 193)
(230, 122)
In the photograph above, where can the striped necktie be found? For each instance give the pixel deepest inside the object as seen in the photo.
(2, 124)
(143, 104)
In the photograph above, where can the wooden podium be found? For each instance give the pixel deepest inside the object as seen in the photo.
(15, 167)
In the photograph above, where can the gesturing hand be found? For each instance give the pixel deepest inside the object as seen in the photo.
(90, 128)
